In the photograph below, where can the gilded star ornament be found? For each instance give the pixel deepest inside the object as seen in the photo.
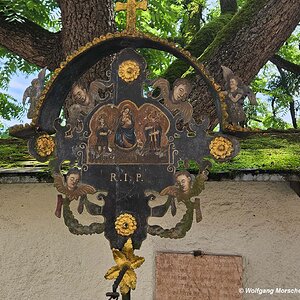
(44, 145)
(129, 70)
(125, 258)
(221, 148)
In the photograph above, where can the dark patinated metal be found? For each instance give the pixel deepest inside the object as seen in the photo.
(123, 144)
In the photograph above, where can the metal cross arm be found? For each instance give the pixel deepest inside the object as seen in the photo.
(131, 7)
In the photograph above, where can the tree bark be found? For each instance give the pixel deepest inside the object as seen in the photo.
(82, 21)
(246, 44)
(228, 6)
(285, 64)
(202, 39)
(30, 41)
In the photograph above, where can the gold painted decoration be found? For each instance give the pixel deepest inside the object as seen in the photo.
(221, 147)
(98, 40)
(131, 7)
(125, 258)
(125, 224)
(129, 70)
(44, 145)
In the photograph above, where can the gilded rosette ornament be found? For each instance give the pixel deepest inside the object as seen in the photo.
(44, 145)
(125, 224)
(129, 70)
(221, 148)
(125, 259)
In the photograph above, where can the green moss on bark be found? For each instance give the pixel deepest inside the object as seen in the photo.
(197, 46)
(240, 20)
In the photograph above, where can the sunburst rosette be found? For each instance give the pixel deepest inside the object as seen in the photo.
(129, 70)
(42, 146)
(222, 148)
(125, 224)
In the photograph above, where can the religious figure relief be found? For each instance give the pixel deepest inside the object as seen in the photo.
(71, 189)
(83, 102)
(125, 136)
(141, 132)
(33, 92)
(153, 131)
(236, 93)
(177, 99)
(102, 133)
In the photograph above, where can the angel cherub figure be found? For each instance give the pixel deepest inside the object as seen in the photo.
(176, 100)
(83, 101)
(71, 188)
(184, 190)
(236, 93)
(33, 92)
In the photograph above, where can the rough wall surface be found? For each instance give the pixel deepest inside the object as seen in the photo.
(40, 259)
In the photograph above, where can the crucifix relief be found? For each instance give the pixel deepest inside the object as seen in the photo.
(131, 7)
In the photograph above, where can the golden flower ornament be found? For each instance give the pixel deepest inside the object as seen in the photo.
(44, 145)
(129, 70)
(125, 224)
(125, 258)
(221, 147)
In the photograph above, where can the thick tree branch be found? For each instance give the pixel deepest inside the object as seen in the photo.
(203, 38)
(246, 43)
(285, 64)
(30, 41)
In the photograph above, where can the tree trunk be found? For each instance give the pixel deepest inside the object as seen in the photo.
(82, 21)
(201, 40)
(245, 44)
(293, 114)
(292, 102)
(252, 37)
(273, 107)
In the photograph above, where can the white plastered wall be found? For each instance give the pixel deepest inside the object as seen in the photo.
(41, 259)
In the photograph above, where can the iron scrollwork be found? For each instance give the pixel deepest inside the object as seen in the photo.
(120, 146)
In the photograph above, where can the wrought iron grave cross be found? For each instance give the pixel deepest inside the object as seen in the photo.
(120, 143)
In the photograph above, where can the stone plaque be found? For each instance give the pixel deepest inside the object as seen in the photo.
(188, 277)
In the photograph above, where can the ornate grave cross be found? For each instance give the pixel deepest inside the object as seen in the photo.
(131, 7)
(119, 143)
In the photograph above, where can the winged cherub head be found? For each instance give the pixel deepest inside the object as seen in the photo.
(183, 180)
(233, 84)
(182, 89)
(72, 179)
(79, 94)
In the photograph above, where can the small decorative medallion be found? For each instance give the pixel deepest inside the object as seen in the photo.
(44, 145)
(221, 147)
(129, 70)
(125, 224)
